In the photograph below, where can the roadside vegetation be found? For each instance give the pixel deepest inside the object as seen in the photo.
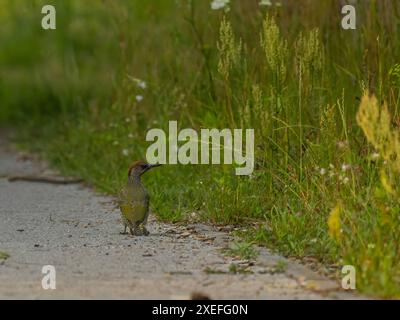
(4, 255)
(323, 101)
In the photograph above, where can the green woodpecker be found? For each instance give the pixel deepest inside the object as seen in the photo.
(134, 200)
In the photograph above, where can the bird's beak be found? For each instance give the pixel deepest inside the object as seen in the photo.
(149, 166)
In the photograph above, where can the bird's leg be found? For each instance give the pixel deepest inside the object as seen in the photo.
(135, 230)
(144, 230)
(124, 232)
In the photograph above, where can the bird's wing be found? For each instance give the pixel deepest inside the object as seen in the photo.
(133, 211)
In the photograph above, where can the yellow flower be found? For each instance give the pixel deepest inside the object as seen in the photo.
(334, 222)
(386, 183)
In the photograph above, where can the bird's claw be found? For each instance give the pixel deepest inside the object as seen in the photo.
(139, 231)
(145, 232)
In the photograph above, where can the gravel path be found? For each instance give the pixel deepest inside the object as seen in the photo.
(77, 230)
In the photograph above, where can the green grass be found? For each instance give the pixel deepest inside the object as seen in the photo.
(243, 250)
(280, 266)
(238, 269)
(4, 255)
(71, 95)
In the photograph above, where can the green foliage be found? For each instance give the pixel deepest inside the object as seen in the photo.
(243, 250)
(4, 255)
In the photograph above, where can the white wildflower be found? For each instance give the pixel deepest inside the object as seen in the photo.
(265, 3)
(220, 4)
(125, 152)
(142, 84)
(139, 98)
(346, 180)
(139, 83)
(342, 144)
(322, 171)
(130, 136)
(375, 156)
(345, 167)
